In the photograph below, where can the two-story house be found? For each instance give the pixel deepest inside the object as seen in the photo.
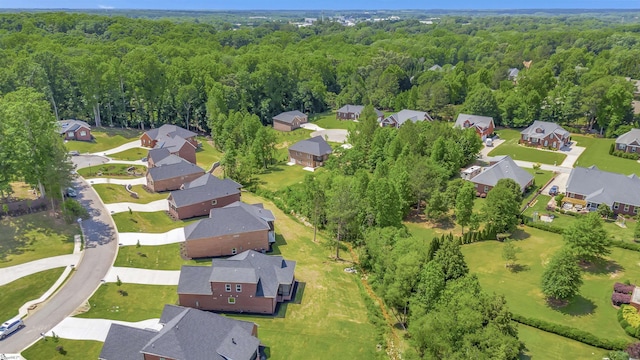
(310, 152)
(198, 197)
(170, 172)
(396, 120)
(289, 121)
(545, 134)
(483, 125)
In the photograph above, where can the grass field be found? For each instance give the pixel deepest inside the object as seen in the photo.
(74, 350)
(113, 193)
(162, 257)
(116, 171)
(519, 152)
(590, 311)
(285, 139)
(34, 236)
(130, 154)
(541, 345)
(207, 154)
(147, 222)
(142, 302)
(540, 178)
(104, 139)
(18, 292)
(597, 153)
(328, 120)
(280, 176)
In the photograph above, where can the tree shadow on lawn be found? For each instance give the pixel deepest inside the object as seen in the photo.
(578, 306)
(520, 234)
(602, 267)
(518, 268)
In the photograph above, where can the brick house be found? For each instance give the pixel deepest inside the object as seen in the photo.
(170, 173)
(176, 146)
(352, 112)
(396, 120)
(249, 282)
(230, 230)
(590, 187)
(198, 197)
(289, 121)
(629, 141)
(545, 134)
(151, 137)
(502, 167)
(184, 334)
(310, 152)
(74, 130)
(483, 125)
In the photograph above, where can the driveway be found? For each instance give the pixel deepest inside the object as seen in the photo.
(333, 135)
(136, 181)
(560, 180)
(95, 329)
(310, 126)
(16, 272)
(170, 237)
(143, 276)
(484, 152)
(573, 152)
(130, 145)
(158, 205)
(83, 161)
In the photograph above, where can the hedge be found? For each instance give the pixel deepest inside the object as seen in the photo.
(544, 226)
(625, 245)
(626, 155)
(571, 333)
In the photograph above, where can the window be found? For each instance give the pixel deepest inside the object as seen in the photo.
(635, 210)
(633, 149)
(621, 146)
(227, 287)
(486, 189)
(555, 144)
(214, 202)
(83, 133)
(238, 287)
(231, 300)
(197, 304)
(546, 143)
(234, 251)
(70, 134)
(616, 206)
(626, 208)
(525, 137)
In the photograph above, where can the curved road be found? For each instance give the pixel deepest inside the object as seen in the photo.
(100, 251)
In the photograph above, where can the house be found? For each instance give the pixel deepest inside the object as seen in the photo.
(483, 125)
(352, 112)
(229, 230)
(396, 120)
(74, 130)
(199, 196)
(185, 334)
(435, 67)
(151, 137)
(170, 173)
(177, 146)
(629, 141)
(503, 168)
(310, 152)
(249, 282)
(512, 74)
(545, 134)
(590, 187)
(289, 121)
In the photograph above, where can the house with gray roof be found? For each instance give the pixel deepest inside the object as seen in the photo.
(310, 153)
(352, 112)
(396, 120)
(483, 125)
(170, 172)
(249, 282)
(629, 141)
(230, 230)
(590, 187)
(512, 74)
(176, 140)
(502, 167)
(186, 334)
(289, 121)
(545, 134)
(74, 130)
(199, 196)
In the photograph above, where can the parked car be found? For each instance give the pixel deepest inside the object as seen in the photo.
(74, 153)
(489, 142)
(10, 327)
(554, 190)
(71, 192)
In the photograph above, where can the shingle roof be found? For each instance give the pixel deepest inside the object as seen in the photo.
(173, 144)
(604, 187)
(435, 67)
(506, 168)
(124, 342)
(540, 129)
(481, 122)
(513, 73)
(316, 146)
(235, 218)
(167, 130)
(407, 115)
(357, 109)
(206, 187)
(194, 280)
(170, 167)
(156, 155)
(629, 137)
(289, 116)
(71, 125)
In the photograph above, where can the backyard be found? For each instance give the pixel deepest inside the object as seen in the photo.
(327, 120)
(207, 154)
(543, 345)
(519, 152)
(116, 171)
(161, 257)
(104, 139)
(113, 193)
(280, 176)
(597, 153)
(18, 292)
(147, 222)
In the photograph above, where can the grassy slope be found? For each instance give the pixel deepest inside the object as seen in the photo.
(75, 350)
(328, 120)
(16, 293)
(113, 193)
(207, 154)
(105, 139)
(147, 222)
(130, 154)
(597, 153)
(517, 152)
(35, 236)
(118, 171)
(162, 257)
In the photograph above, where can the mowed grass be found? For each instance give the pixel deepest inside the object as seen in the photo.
(116, 171)
(74, 350)
(161, 257)
(141, 302)
(519, 152)
(284, 139)
(540, 178)
(597, 153)
(207, 154)
(35, 236)
(104, 139)
(590, 311)
(130, 154)
(114, 193)
(147, 222)
(280, 176)
(327, 120)
(18, 292)
(543, 345)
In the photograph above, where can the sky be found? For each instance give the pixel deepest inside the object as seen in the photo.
(319, 5)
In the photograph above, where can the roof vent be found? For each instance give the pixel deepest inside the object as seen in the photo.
(233, 341)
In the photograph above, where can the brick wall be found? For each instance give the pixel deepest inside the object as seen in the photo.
(223, 245)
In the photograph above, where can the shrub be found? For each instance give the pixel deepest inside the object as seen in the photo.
(618, 355)
(72, 210)
(618, 299)
(612, 148)
(634, 350)
(622, 288)
(546, 227)
(631, 316)
(625, 245)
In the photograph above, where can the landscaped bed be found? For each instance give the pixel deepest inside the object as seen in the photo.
(116, 171)
(161, 257)
(18, 292)
(104, 139)
(147, 222)
(113, 193)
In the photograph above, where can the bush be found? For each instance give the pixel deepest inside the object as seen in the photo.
(625, 245)
(72, 210)
(631, 316)
(618, 299)
(634, 350)
(545, 227)
(618, 355)
(622, 288)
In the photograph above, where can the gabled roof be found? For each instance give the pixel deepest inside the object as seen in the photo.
(604, 187)
(541, 129)
(235, 218)
(289, 116)
(206, 187)
(357, 109)
(629, 137)
(71, 125)
(477, 121)
(405, 115)
(435, 67)
(505, 168)
(173, 144)
(124, 342)
(156, 155)
(512, 73)
(167, 130)
(173, 166)
(194, 280)
(316, 146)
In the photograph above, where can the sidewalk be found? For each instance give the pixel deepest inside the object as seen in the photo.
(136, 181)
(127, 162)
(143, 276)
(95, 329)
(158, 205)
(152, 239)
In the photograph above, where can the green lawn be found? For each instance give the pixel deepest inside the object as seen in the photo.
(105, 139)
(162, 257)
(18, 292)
(281, 176)
(590, 311)
(147, 222)
(131, 154)
(207, 154)
(284, 139)
(540, 178)
(519, 152)
(113, 193)
(117, 171)
(328, 120)
(543, 345)
(74, 350)
(597, 153)
(141, 302)
(34, 236)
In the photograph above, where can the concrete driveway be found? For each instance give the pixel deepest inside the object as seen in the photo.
(95, 329)
(83, 161)
(143, 276)
(573, 152)
(130, 145)
(333, 135)
(150, 239)
(310, 126)
(158, 205)
(136, 181)
(560, 180)
(16, 272)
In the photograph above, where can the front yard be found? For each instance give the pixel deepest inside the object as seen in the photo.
(327, 120)
(116, 171)
(104, 139)
(113, 193)
(148, 222)
(74, 350)
(130, 154)
(519, 152)
(161, 257)
(18, 292)
(597, 153)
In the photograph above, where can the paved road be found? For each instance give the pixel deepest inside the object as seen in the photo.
(98, 257)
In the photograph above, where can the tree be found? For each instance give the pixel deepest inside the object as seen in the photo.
(587, 239)
(451, 259)
(636, 231)
(562, 278)
(502, 207)
(509, 254)
(481, 101)
(605, 211)
(536, 167)
(437, 207)
(464, 204)
(341, 209)
(430, 285)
